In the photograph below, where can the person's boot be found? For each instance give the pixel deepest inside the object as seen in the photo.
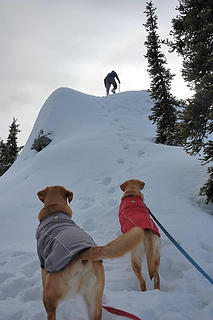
(113, 90)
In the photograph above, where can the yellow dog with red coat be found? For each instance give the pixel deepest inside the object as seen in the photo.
(132, 213)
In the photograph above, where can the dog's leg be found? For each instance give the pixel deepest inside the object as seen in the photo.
(137, 255)
(50, 307)
(43, 276)
(157, 247)
(51, 295)
(156, 275)
(92, 290)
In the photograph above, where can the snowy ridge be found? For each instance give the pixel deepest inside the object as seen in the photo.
(98, 142)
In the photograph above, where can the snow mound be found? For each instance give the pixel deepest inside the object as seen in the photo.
(97, 143)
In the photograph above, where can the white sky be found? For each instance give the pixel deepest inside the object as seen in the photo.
(47, 44)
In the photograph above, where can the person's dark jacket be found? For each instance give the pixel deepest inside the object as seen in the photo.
(110, 78)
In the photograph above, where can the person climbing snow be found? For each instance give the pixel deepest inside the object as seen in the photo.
(110, 79)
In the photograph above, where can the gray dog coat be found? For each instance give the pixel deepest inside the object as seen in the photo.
(59, 240)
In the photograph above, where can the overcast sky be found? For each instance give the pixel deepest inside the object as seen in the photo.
(47, 44)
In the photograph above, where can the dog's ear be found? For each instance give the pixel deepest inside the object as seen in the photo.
(69, 195)
(41, 194)
(123, 186)
(141, 184)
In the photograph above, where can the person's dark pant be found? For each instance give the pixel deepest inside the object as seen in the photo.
(108, 83)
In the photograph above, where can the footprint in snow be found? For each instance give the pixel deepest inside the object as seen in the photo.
(120, 161)
(86, 202)
(106, 181)
(122, 128)
(130, 170)
(140, 153)
(125, 146)
(207, 247)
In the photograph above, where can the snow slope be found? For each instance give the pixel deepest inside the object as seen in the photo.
(98, 142)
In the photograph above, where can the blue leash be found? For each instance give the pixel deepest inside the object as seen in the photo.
(181, 249)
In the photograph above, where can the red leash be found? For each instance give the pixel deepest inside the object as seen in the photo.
(119, 312)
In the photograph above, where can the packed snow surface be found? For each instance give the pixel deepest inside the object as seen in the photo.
(97, 143)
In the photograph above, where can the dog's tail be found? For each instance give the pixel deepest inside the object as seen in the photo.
(117, 247)
(149, 252)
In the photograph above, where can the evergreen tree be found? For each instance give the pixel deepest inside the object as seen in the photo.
(3, 157)
(12, 145)
(2, 152)
(207, 189)
(164, 109)
(192, 31)
(9, 150)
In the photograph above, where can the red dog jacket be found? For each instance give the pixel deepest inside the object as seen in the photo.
(133, 212)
